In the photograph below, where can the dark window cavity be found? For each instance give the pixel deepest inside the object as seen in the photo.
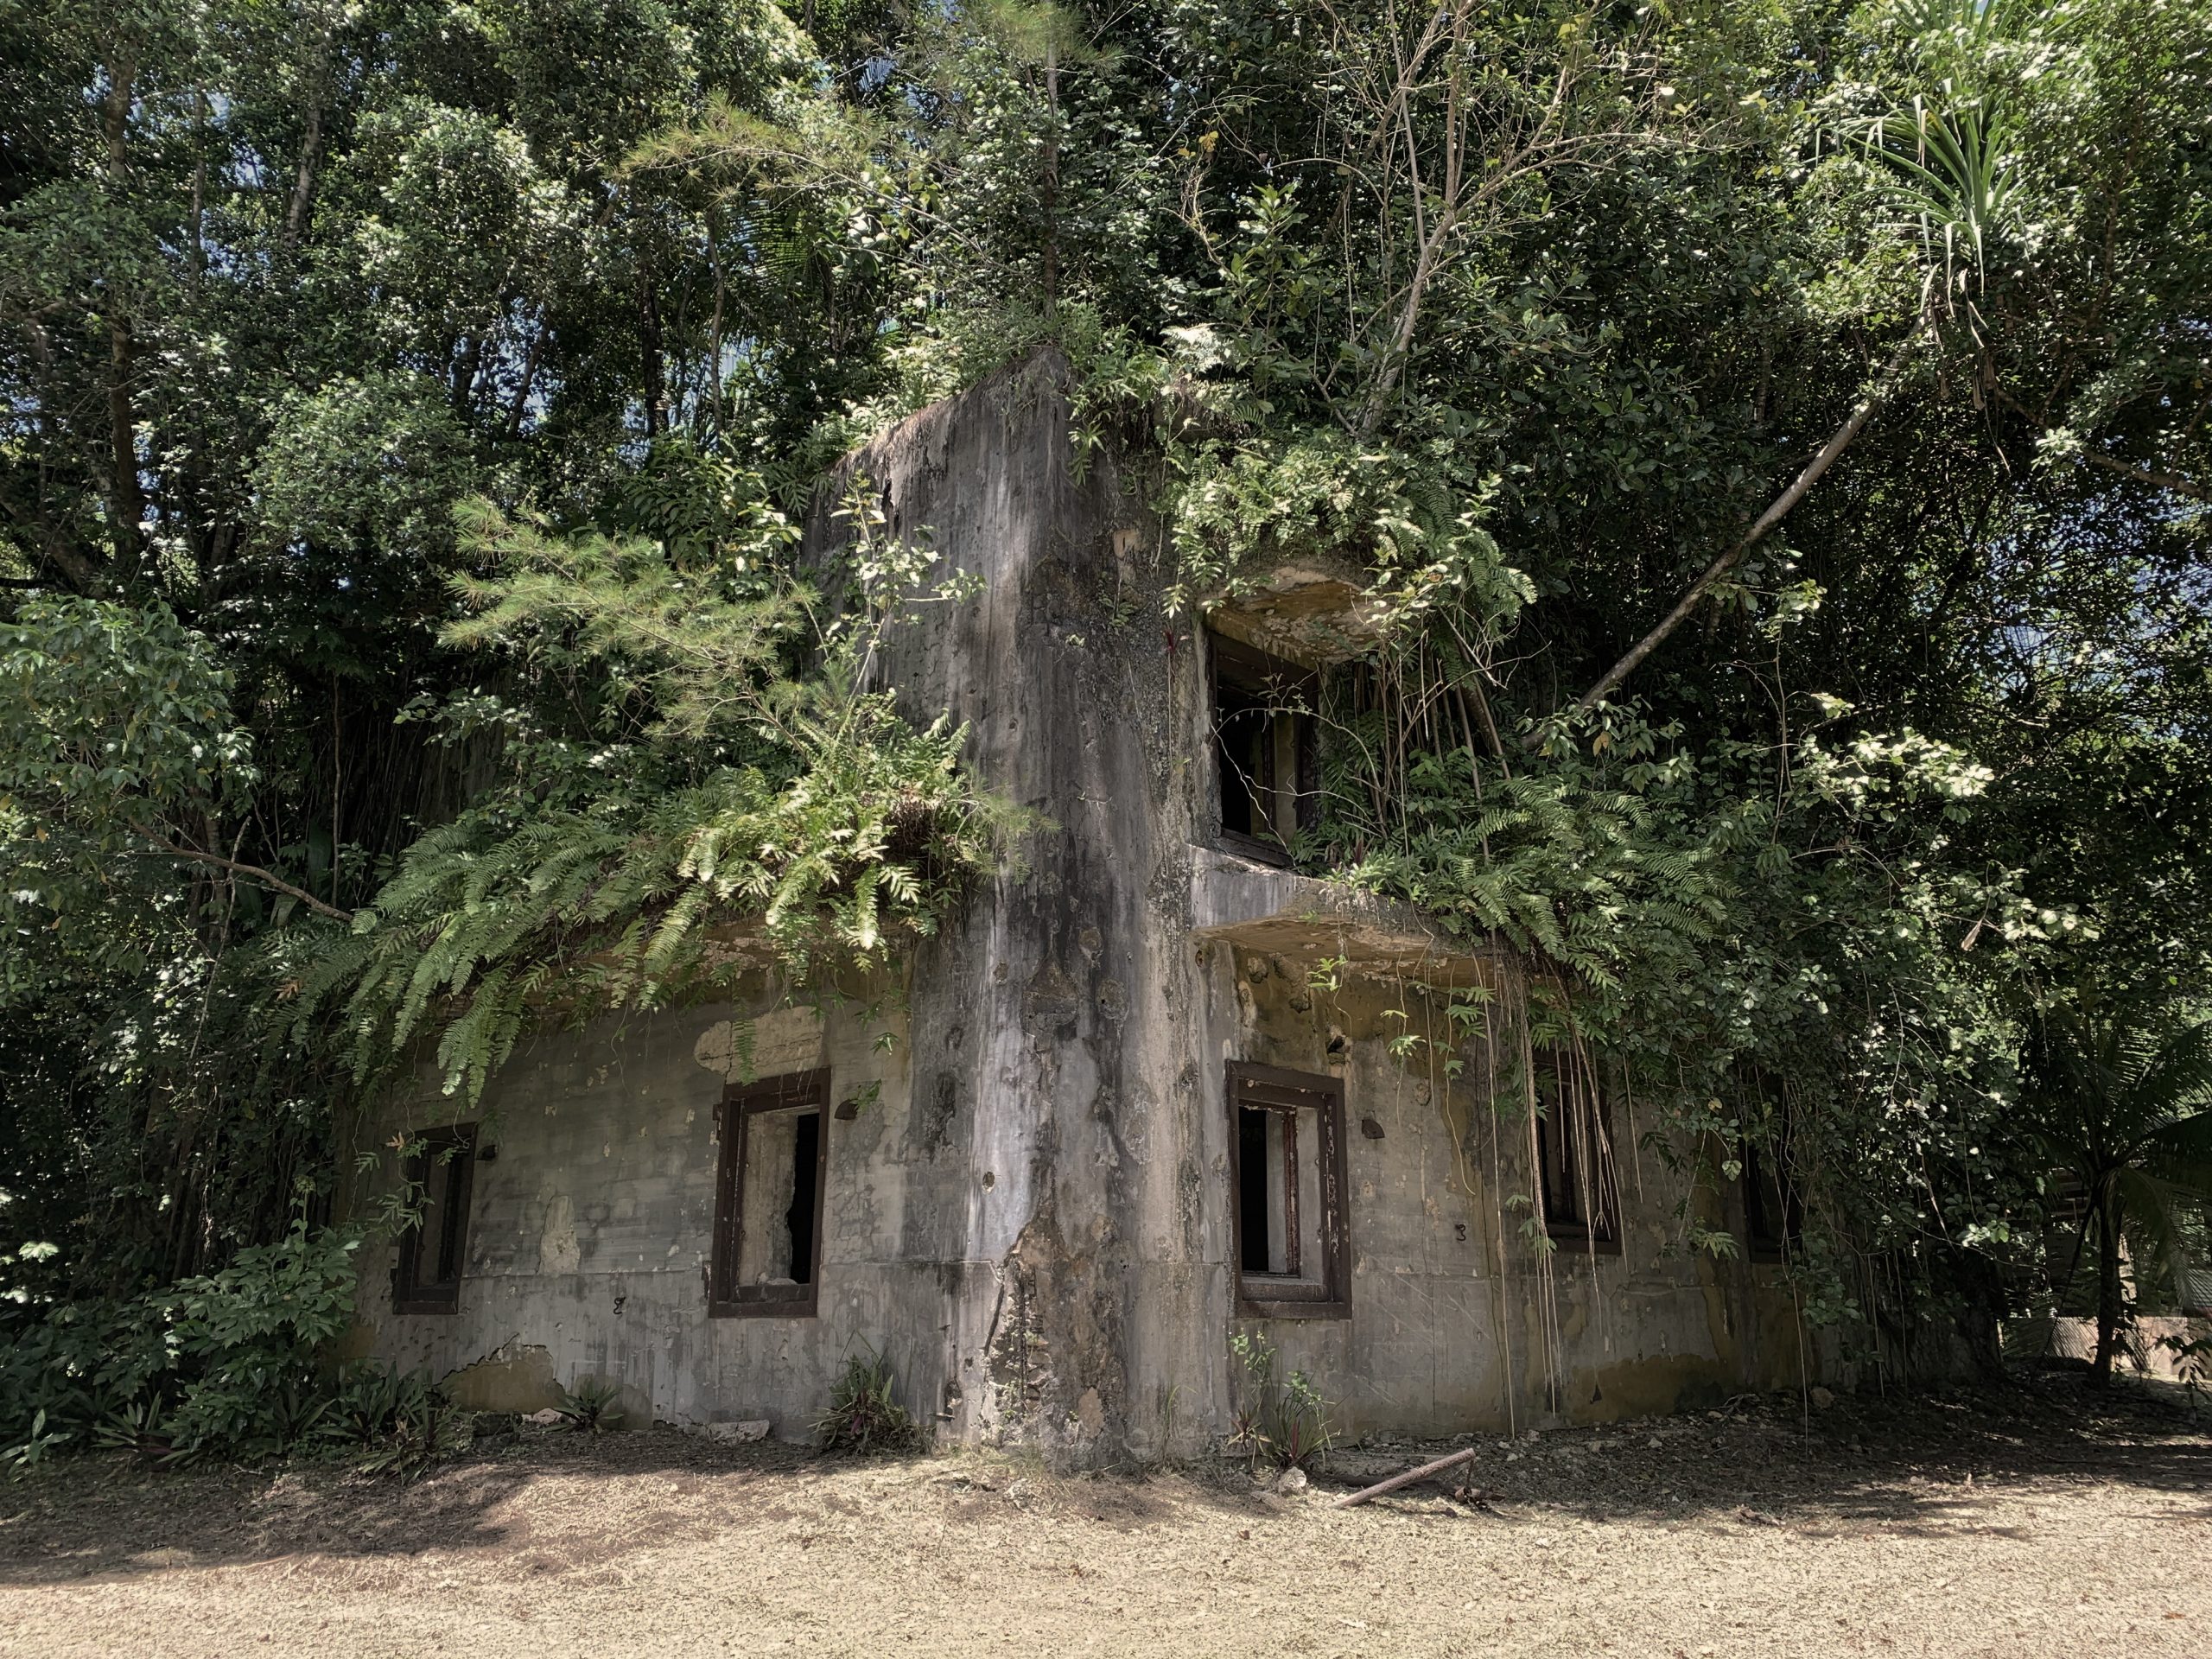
(1773, 1216)
(1575, 1153)
(770, 1185)
(1287, 1187)
(1266, 748)
(427, 1278)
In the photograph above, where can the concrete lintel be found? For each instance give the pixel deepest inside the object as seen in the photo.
(1310, 611)
(1282, 913)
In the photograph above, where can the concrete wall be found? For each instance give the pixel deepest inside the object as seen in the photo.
(590, 1227)
(1033, 1220)
(1458, 1321)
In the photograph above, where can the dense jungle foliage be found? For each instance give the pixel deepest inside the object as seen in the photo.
(1776, 434)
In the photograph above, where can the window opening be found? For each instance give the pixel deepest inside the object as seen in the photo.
(1287, 1186)
(771, 1183)
(1574, 1151)
(1265, 747)
(1774, 1218)
(431, 1254)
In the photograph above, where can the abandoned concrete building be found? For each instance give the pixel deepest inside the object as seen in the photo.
(1143, 1095)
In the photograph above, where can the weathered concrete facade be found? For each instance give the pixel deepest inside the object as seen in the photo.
(1027, 1190)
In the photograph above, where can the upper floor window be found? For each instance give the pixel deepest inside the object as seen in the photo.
(427, 1278)
(771, 1182)
(1266, 748)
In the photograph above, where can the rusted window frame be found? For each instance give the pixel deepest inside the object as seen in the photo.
(410, 1294)
(1596, 1226)
(1265, 1086)
(1262, 672)
(726, 1298)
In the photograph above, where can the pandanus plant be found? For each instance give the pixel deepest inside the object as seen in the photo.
(2119, 1097)
(1946, 158)
(1947, 165)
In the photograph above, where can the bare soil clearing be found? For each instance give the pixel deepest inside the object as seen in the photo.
(2027, 1522)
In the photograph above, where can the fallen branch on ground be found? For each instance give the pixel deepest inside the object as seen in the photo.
(1411, 1476)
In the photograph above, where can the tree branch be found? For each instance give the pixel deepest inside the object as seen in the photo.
(2173, 481)
(164, 847)
(2178, 484)
(1878, 394)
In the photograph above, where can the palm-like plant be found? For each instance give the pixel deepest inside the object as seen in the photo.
(1947, 161)
(2120, 1097)
(1948, 166)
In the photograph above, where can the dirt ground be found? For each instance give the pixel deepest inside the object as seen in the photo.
(2022, 1522)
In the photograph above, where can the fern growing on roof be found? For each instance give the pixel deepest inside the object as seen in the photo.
(696, 784)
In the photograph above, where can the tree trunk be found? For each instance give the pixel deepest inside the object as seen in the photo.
(649, 350)
(127, 501)
(303, 177)
(295, 212)
(195, 255)
(467, 365)
(2108, 1290)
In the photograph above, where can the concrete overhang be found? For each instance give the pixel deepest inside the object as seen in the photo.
(1312, 612)
(1258, 907)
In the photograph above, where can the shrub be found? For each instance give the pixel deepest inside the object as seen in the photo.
(862, 1415)
(63, 1374)
(223, 1365)
(247, 1338)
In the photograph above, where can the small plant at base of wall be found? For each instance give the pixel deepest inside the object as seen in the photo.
(863, 1416)
(1278, 1421)
(590, 1406)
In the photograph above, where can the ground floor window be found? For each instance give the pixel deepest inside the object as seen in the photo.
(1773, 1216)
(1575, 1153)
(771, 1179)
(441, 1164)
(1287, 1193)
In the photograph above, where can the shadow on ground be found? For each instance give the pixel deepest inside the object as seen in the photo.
(1916, 1464)
(1905, 1462)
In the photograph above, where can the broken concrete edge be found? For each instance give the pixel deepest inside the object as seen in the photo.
(734, 1434)
(1313, 613)
(1280, 913)
(737, 1434)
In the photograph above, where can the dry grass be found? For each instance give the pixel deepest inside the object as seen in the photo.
(2016, 1523)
